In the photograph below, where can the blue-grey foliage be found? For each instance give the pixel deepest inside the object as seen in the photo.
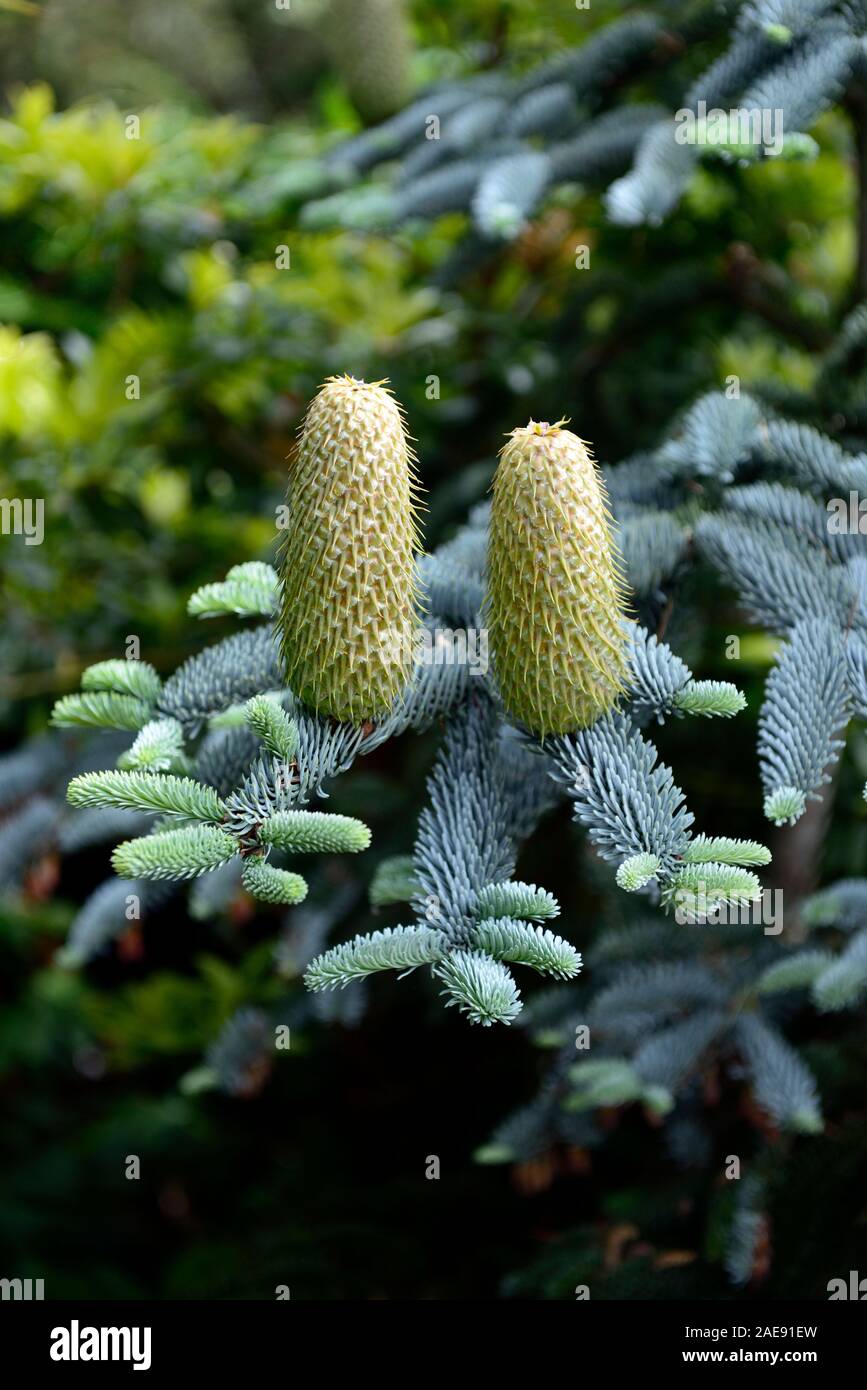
(23, 836)
(504, 140)
(628, 801)
(103, 917)
(747, 1232)
(463, 861)
(226, 674)
(463, 841)
(781, 1082)
(806, 707)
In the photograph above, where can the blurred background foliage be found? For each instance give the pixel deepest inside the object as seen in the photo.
(163, 321)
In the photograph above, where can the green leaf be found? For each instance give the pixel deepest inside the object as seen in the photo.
(523, 944)
(159, 747)
(314, 832)
(273, 885)
(714, 883)
(710, 699)
(126, 677)
(522, 900)
(395, 948)
(794, 972)
(610, 1081)
(844, 980)
(270, 721)
(102, 709)
(394, 881)
(637, 871)
(248, 590)
(785, 804)
(174, 854)
(719, 849)
(146, 791)
(479, 986)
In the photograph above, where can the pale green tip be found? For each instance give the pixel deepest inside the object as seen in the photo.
(711, 699)
(195, 1082)
(637, 871)
(494, 1153)
(806, 1122)
(778, 33)
(785, 804)
(658, 1100)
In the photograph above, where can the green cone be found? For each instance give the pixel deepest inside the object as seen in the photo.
(556, 593)
(349, 595)
(371, 47)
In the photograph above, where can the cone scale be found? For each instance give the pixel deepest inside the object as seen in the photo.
(556, 593)
(349, 594)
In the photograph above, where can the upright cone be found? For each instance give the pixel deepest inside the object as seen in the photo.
(348, 564)
(556, 595)
(371, 46)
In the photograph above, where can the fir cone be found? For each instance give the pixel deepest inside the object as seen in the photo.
(371, 48)
(349, 596)
(556, 593)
